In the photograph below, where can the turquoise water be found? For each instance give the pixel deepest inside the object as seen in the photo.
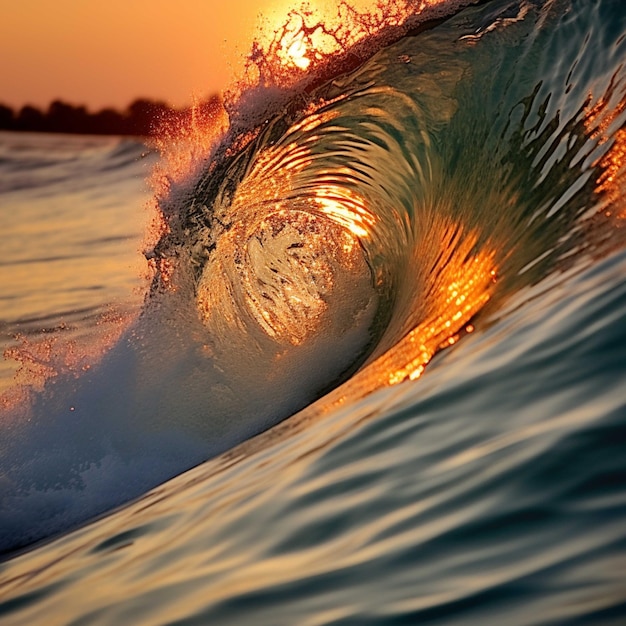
(463, 189)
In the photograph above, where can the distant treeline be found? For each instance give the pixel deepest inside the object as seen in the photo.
(143, 117)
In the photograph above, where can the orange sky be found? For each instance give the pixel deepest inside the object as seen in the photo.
(108, 53)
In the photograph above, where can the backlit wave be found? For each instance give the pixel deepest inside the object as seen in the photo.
(343, 217)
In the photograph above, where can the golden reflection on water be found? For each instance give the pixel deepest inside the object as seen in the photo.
(612, 181)
(346, 208)
(461, 289)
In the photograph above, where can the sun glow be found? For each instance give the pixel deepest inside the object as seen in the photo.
(295, 51)
(292, 41)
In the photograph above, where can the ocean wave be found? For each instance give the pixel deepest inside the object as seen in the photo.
(340, 243)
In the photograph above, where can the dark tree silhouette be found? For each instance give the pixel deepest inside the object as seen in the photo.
(30, 118)
(107, 122)
(7, 117)
(143, 117)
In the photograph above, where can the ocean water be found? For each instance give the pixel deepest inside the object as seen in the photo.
(373, 370)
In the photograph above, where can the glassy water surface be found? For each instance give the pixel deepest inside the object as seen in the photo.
(379, 374)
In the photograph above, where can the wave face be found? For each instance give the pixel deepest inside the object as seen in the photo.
(457, 198)
(365, 226)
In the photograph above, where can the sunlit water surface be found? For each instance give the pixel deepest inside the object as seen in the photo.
(439, 235)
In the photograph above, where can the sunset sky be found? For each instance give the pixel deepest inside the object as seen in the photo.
(109, 53)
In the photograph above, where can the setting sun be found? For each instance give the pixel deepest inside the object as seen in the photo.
(296, 50)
